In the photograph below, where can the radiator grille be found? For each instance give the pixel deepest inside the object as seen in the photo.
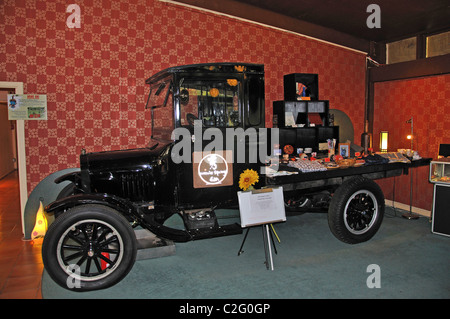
(137, 185)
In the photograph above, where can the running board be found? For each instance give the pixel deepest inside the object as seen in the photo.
(151, 246)
(218, 231)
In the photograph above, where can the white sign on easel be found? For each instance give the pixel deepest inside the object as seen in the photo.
(262, 207)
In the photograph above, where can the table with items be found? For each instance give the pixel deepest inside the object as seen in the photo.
(303, 173)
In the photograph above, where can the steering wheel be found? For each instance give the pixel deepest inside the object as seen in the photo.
(190, 118)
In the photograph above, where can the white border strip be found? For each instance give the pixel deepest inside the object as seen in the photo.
(416, 210)
(21, 155)
(259, 23)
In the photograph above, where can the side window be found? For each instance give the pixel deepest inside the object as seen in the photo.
(255, 102)
(216, 103)
(189, 102)
(163, 123)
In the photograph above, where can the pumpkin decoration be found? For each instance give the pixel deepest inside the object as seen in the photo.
(214, 92)
(232, 82)
(288, 149)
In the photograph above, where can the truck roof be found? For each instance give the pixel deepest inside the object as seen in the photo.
(205, 68)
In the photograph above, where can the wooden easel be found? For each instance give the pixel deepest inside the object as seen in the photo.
(262, 207)
(267, 238)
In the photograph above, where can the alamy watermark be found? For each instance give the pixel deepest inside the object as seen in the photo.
(73, 281)
(74, 19)
(374, 279)
(252, 145)
(374, 19)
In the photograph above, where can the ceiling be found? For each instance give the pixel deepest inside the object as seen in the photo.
(340, 21)
(399, 18)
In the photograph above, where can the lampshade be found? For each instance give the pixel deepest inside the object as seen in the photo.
(40, 227)
(384, 136)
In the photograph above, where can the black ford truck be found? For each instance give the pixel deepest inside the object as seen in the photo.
(208, 126)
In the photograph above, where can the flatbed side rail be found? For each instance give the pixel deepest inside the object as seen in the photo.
(338, 176)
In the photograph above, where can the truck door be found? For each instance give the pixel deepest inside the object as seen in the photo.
(207, 177)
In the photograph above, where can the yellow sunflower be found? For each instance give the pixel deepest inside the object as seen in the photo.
(248, 178)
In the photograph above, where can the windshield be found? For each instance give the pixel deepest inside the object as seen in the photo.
(159, 93)
(215, 102)
(160, 103)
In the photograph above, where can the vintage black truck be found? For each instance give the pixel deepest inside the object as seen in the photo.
(190, 169)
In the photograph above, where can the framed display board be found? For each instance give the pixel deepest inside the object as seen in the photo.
(27, 107)
(259, 207)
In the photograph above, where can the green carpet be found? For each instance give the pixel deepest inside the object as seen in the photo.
(311, 263)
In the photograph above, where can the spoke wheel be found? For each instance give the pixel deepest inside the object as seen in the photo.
(356, 210)
(360, 212)
(94, 246)
(89, 247)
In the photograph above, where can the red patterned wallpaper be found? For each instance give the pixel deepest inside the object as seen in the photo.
(94, 76)
(427, 100)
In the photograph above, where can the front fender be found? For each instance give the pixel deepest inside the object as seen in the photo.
(71, 177)
(121, 205)
(46, 191)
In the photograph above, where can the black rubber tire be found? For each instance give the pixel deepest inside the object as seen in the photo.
(65, 192)
(91, 233)
(356, 210)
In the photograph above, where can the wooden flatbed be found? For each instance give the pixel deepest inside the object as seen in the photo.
(337, 176)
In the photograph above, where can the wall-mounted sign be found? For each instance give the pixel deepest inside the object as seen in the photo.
(212, 170)
(27, 107)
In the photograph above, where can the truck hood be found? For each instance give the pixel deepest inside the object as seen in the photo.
(124, 160)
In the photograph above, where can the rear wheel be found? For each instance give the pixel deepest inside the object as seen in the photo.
(89, 247)
(356, 210)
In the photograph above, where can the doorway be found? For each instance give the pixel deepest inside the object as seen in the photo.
(8, 137)
(17, 141)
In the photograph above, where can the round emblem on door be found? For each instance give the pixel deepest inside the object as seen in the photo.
(213, 169)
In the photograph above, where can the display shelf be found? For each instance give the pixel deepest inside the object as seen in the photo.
(308, 137)
(305, 113)
(440, 171)
(308, 84)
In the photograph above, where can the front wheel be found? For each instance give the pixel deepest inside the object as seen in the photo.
(89, 247)
(356, 210)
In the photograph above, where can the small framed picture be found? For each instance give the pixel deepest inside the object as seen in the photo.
(344, 149)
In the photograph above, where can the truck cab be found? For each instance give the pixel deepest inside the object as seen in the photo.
(195, 106)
